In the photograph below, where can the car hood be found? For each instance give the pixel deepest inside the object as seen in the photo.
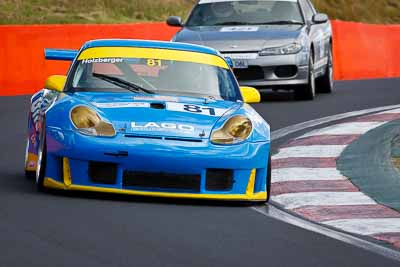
(240, 38)
(158, 115)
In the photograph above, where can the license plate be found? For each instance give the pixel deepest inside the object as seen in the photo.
(240, 64)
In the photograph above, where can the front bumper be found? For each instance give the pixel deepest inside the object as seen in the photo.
(283, 71)
(70, 155)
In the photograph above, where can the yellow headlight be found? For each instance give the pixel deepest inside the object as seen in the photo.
(235, 130)
(87, 121)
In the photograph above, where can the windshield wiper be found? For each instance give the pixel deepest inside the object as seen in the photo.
(281, 22)
(122, 83)
(230, 23)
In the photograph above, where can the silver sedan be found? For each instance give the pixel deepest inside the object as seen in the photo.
(273, 44)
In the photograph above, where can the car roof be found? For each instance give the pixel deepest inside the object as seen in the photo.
(149, 44)
(216, 1)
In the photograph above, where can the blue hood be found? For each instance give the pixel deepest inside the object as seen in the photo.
(156, 115)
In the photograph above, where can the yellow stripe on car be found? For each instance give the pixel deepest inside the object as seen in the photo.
(67, 172)
(153, 53)
(32, 158)
(260, 196)
(250, 185)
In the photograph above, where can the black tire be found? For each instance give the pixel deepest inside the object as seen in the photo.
(307, 91)
(325, 83)
(41, 163)
(269, 178)
(30, 175)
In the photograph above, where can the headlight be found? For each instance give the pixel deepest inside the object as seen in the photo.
(282, 50)
(88, 122)
(235, 130)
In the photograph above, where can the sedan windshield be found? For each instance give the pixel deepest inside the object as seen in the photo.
(152, 75)
(246, 13)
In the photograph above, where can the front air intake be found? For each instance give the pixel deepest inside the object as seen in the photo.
(102, 172)
(163, 181)
(219, 180)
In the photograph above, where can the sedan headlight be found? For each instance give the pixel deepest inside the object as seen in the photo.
(235, 130)
(282, 50)
(88, 122)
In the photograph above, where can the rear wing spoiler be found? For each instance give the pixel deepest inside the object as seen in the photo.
(60, 54)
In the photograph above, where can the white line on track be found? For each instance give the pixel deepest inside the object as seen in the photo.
(329, 151)
(367, 226)
(278, 214)
(346, 128)
(271, 210)
(312, 123)
(296, 200)
(309, 174)
(392, 111)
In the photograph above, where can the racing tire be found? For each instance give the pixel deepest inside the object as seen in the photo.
(41, 162)
(325, 83)
(307, 91)
(269, 178)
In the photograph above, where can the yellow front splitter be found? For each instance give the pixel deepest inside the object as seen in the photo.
(260, 196)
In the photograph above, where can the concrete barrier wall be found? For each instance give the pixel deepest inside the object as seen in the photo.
(365, 51)
(360, 51)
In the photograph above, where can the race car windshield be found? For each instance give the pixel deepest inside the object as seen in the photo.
(154, 76)
(233, 13)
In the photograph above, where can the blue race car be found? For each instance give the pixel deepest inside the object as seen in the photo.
(148, 118)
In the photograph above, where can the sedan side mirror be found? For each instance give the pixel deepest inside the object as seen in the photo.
(174, 21)
(250, 94)
(320, 18)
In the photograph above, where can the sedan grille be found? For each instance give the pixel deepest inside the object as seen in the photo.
(249, 74)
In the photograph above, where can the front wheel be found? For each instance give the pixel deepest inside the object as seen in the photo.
(269, 178)
(307, 91)
(28, 174)
(41, 163)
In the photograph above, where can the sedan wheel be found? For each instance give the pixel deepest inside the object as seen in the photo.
(325, 82)
(307, 91)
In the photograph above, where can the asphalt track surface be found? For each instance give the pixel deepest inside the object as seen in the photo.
(83, 229)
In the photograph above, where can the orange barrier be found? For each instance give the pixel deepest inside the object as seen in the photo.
(23, 68)
(366, 51)
(360, 50)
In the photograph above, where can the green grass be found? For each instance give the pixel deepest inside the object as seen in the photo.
(89, 11)
(370, 11)
(123, 11)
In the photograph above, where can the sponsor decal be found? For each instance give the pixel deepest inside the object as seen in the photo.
(239, 29)
(35, 109)
(31, 164)
(241, 55)
(122, 105)
(154, 126)
(102, 60)
(196, 109)
(33, 139)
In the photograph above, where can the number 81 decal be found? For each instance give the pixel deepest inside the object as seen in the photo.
(154, 62)
(197, 109)
(203, 110)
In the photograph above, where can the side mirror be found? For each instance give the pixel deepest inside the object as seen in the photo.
(320, 18)
(56, 83)
(175, 21)
(250, 94)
